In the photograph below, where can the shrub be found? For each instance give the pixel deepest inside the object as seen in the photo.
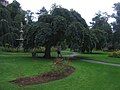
(60, 64)
(10, 49)
(38, 50)
(53, 49)
(115, 54)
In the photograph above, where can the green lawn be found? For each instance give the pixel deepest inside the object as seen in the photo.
(87, 76)
(100, 56)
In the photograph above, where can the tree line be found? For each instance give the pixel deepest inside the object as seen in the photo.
(59, 26)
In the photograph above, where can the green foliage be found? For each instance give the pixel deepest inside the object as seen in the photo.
(77, 18)
(29, 16)
(4, 14)
(6, 34)
(80, 38)
(75, 27)
(38, 50)
(47, 32)
(61, 25)
(42, 11)
(74, 35)
(10, 49)
(64, 13)
(4, 27)
(53, 49)
(103, 29)
(101, 38)
(14, 8)
(11, 17)
(9, 38)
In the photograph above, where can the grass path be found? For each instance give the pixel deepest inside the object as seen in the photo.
(100, 56)
(93, 61)
(98, 62)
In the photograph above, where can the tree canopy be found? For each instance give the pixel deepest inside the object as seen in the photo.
(54, 28)
(102, 29)
(11, 17)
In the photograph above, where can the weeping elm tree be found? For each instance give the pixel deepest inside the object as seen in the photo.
(55, 27)
(47, 32)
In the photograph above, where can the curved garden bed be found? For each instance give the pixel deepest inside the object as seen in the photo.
(45, 77)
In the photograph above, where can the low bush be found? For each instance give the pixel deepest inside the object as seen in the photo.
(10, 49)
(115, 54)
(53, 49)
(38, 50)
(60, 64)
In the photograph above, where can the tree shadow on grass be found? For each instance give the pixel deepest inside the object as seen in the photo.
(80, 58)
(94, 53)
(38, 58)
(41, 58)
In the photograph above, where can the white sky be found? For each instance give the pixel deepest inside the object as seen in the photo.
(87, 8)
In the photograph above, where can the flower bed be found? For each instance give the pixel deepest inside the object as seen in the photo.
(61, 71)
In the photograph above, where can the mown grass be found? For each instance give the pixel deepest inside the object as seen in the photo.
(100, 56)
(87, 76)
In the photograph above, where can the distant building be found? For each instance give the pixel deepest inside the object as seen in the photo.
(4, 2)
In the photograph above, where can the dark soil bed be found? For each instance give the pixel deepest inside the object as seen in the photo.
(45, 77)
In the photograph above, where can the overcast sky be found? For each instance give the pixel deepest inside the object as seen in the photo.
(87, 8)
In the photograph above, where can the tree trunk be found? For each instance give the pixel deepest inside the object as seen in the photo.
(47, 52)
(33, 53)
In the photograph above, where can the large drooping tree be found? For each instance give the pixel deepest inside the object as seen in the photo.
(74, 35)
(47, 32)
(56, 27)
(79, 37)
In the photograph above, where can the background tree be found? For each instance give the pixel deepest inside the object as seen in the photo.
(102, 27)
(54, 6)
(29, 16)
(116, 26)
(11, 17)
(74, 35)
(101, 38)
(42, 11)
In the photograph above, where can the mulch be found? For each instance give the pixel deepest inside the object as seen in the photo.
(45, 77)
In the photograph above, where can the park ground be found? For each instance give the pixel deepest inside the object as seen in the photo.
(87, 76)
